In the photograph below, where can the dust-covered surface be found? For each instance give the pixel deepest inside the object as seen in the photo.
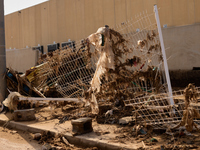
(111, 74)
(57, 116)
(108, 67)
(59, 141)
(106, 127)
(17, 140)
(122, 135)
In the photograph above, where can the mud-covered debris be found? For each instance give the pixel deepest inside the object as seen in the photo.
(37, 136)
(12, 101)
(126, 120)
(118, 70)
(82, 125)
(190, 113)
(46, 146)
(24, 115)
(178, 147)
(190, 93)
(66, 142)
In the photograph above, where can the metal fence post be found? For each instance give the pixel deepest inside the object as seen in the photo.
(164, 55)
(2, 53)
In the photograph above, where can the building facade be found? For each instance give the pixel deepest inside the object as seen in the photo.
(57, 21)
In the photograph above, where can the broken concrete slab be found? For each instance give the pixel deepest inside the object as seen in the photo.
(24, 115)
(82, 125)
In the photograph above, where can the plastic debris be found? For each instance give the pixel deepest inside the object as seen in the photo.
(154, 140)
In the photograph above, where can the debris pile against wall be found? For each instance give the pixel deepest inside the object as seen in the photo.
(118, 76)
(57, 75)
(105, 60)
(122, 72)
(190, 113)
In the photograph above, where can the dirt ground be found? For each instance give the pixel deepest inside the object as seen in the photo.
(124, 134)
(58, 115)
(17, 140)
(112, 133)
(21, 140)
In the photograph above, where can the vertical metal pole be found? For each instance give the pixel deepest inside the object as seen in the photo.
(2, 53)
(164, 55)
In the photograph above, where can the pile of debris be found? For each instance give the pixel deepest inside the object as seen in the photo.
(110, 77)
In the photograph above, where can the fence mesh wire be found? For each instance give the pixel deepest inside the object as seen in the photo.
(138, 79)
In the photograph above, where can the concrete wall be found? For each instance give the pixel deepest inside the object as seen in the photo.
(21, 59)
(60, 20)
(184, 46)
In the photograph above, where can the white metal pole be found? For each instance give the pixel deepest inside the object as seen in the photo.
(164, 55)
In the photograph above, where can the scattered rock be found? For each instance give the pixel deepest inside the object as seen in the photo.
(13, 132)
(98, 133)
(37, 136)
(126, 120)
(46, 147)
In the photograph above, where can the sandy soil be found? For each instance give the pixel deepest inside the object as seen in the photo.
(17, 140)
(21, 140)
(124, 135)
(54, 118)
